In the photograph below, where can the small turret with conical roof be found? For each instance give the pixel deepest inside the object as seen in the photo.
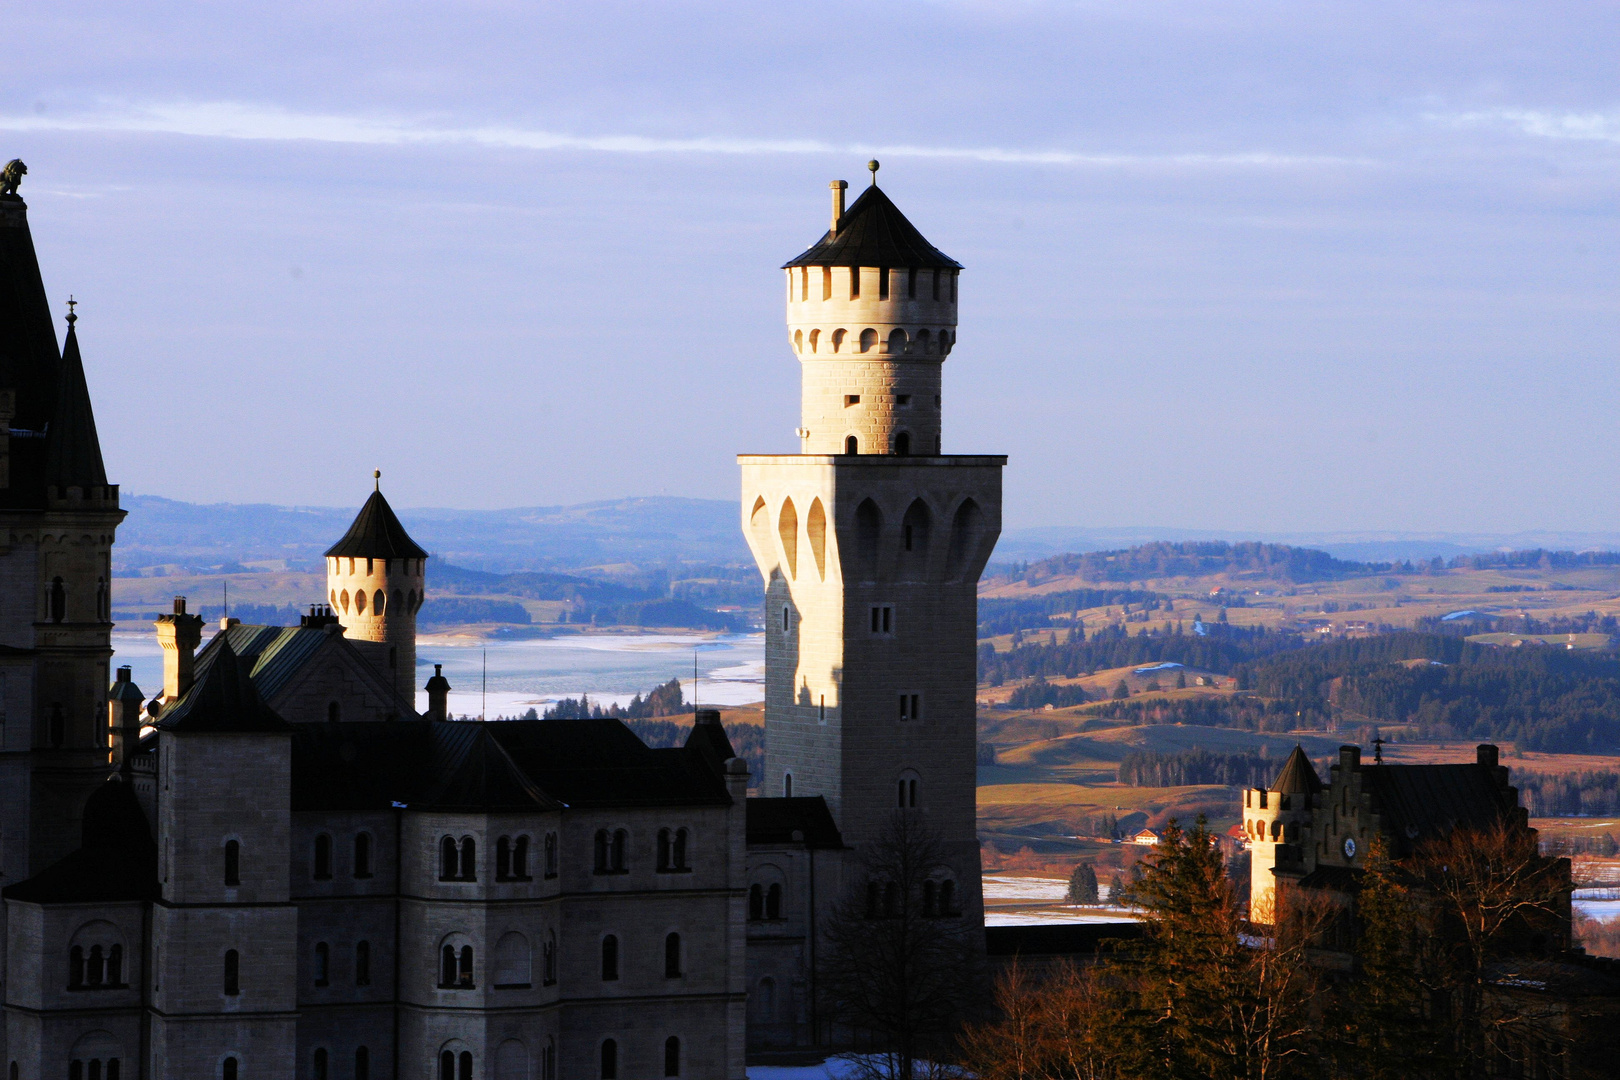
(1277, 823)
(871, 313)
(375, 577)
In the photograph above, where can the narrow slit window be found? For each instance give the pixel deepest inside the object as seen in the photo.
(883, 283)
(851, 399)
(911, 283)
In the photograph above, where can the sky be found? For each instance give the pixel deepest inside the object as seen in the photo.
(1268, 267)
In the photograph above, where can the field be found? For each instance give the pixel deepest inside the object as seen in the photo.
(1054, 782)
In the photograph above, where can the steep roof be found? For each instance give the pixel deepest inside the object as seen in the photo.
(29, 357)
(72, 450)
(223, 700)
(873, 232)
(709, 743)
(1297, 775)
(1419, 802)
(117, 860)
(774, 822)
(603, 763)
(376, 534)
(475, 774)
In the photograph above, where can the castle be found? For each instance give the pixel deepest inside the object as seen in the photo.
(276, 866)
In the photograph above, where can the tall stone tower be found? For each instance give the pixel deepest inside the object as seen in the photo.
(58, 516)
(1277, 821)
(871, 541)
(375, 577)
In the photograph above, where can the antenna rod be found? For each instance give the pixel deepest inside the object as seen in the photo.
(694, 683)
(483, 701)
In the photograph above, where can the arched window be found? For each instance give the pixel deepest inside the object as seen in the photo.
(323, 858)
(868, 339)
(96, 969)
(773, 902)
(465, 970)
(378, 604)
(548, 1059)
(610, 958)
(852, 445)
(672, 1056)
(549, 959)
(664, 863)
(512, 962)
(503, 858)
(520, 858)
(947, 897)
(602, 844)
(469, 859)
(76, 967)
(465, 1072)
(672, 956)
(447, 1065)
(396, 602)
(334, 712)
(360, 602)
(227, 1069)
(58, 600)
(320, 1063)
(621, 839)
(233, 973)
(323, 964)
(902, 443)
(344, 599)
(362, 855)
(362, 963)
(551, 855)
(896, 343)
(511, 1061)
(233, 863)
(115, 966)
(362, 1063)
(756, 903)
(787, 785)
(447, 967)
(680, 850)
(610, 1060)
(447, 859)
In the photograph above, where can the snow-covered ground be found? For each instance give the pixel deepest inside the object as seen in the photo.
(999, 887)
(1028, 901)
(1056, 915)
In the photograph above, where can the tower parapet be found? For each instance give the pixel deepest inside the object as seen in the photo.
(375, 580)
(871, 312)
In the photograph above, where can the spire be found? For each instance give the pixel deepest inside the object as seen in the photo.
(376, 533)
(72, 450)
(29, 356)
(1297, 775)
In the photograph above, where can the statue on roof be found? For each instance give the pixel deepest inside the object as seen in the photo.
(11, 176)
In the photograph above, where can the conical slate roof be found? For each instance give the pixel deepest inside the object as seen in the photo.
(1297, 776)
(376, 534)
(873, 232)
(72, 450)
(29, 357)
(223, 700)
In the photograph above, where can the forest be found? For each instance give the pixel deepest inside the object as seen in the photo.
(1196, 558)
(1146, 768)
(1004, 615)
(1219, 648)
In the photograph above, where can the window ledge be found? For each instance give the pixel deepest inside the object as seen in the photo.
(514, 986)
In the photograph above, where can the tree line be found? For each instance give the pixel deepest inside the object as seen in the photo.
(1197, 558)
(1146, 768)
(1005, 615)
(1220, 648)
(1588, 793)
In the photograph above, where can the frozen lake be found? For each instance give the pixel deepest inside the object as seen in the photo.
(534, 673)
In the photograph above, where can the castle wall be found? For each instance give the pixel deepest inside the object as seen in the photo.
(354, 585)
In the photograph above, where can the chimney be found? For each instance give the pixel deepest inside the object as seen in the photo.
(1350, 757)
(838, 189)
(707, 716)
(438, 692)
(124, 712)
(1487, 755)
(179, 634)
(737, 779)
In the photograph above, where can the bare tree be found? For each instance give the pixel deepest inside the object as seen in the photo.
(901, 966)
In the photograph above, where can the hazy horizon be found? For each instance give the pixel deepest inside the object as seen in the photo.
(1259, 269)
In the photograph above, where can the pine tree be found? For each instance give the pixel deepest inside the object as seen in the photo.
(1181, 680)
(1083, 884)
(1121, 691)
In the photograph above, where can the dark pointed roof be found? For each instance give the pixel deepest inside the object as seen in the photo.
(72, 450)
(223, 700)
(117, 860)
(29, 357)
(709, 743)
(1298, 775)
(873, 232)
(774, 822)
(476, 775)
(376, 534)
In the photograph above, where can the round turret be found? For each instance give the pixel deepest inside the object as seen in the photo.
(871, 312)
(1276, 820)
(376, 580)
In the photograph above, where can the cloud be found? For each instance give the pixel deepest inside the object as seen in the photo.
(1588, 127)
(235, 120)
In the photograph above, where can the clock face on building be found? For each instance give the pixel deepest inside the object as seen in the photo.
(1349, 847)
